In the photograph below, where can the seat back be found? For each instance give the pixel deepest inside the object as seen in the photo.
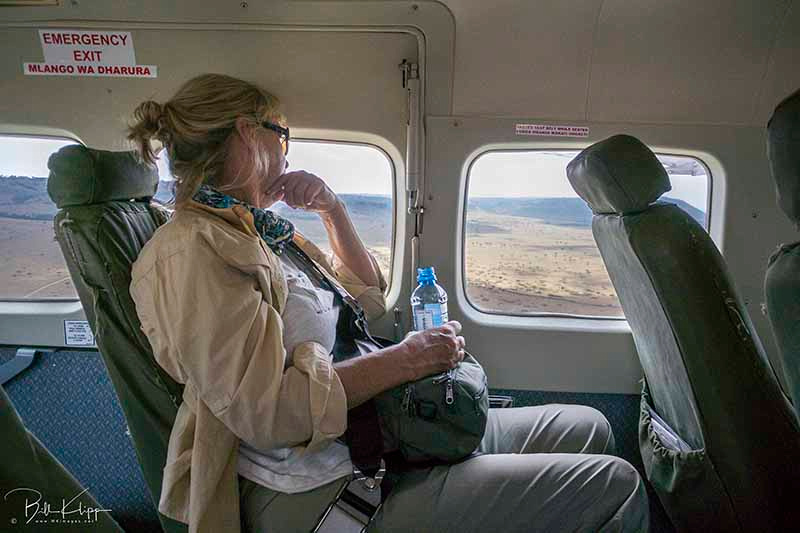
(105, 218)
(718, 438)
(782, 282)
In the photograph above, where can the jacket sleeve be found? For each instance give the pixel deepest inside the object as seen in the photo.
(227, 337)
(371, 297)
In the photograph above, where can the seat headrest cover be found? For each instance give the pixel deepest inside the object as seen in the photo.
(783, 150)
(83, 176)
(618, 175)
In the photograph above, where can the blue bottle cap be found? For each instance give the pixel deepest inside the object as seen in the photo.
(426, 274)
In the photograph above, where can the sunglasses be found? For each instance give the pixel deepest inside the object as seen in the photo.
(282, 132)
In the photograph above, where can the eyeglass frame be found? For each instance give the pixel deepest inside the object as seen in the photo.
(281, 131)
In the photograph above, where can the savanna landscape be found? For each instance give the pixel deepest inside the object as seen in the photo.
(523, 255)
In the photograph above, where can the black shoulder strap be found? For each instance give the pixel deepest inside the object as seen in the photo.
(363, 436)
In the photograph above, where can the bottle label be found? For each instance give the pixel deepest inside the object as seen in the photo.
(430, 316)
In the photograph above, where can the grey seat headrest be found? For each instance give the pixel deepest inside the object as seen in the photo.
(783, 150)
(83, 176)
(618, 175)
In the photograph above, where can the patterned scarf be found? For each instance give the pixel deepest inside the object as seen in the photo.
(274, 229)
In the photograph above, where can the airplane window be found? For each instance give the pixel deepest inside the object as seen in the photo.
(31, 265)
(528, 245)
(362, 176)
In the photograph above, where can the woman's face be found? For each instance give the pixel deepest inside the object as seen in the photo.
(270, 142)
(251, 145)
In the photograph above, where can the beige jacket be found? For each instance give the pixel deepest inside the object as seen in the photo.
(209, 294)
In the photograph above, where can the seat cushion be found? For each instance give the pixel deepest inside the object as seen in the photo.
(783, 150)
(618, 175)
(782, 289)
(84, 176)
(708, 375)
(100, 243)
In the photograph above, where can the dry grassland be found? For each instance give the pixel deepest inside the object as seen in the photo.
(31, 264)
(513, 264)
(520, 265)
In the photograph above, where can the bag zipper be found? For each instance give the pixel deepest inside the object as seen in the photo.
(448, 378)
(408, 400)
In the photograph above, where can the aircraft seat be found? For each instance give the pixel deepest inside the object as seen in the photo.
(105, 217)
(718, 438)
(782, 283)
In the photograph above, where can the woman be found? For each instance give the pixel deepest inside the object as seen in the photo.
(234, 311)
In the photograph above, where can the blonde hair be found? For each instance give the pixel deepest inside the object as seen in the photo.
(195, 124)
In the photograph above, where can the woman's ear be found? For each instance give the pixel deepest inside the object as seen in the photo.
(243, 127)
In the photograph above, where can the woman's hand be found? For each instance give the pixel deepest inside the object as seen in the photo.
(421, 354)
(434, 350)
(303, 190)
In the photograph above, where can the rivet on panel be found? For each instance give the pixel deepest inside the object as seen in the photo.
(243, 5)
(414, 7)
(456, 123)
(754, 214)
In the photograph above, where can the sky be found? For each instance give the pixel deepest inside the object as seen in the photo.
(495, 174)
(543, 175)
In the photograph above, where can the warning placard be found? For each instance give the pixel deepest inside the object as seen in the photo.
(549, 130)
(88, 53)
(78, 333)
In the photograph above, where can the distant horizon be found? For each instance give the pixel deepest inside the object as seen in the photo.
(365, 170)
(377, 195)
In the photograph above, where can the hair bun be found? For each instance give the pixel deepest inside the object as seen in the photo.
(148, 124)
(149, 118)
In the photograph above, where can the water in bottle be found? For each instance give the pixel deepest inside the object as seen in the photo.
(428, 301)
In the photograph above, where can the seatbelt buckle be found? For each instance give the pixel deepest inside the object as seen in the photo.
(352, 509)
(370, 483)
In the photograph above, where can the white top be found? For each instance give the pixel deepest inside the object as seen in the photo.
(310, 314)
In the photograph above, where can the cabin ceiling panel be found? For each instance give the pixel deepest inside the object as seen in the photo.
(682, 62)
(783, 72)
(327, 80)
(522, 58)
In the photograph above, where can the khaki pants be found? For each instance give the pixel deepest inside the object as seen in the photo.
(542, 471)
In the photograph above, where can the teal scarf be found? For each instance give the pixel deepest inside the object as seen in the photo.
(274, 229)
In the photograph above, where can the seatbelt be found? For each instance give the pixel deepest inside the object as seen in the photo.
(362, 496)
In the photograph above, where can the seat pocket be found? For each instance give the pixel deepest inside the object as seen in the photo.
(683, 476)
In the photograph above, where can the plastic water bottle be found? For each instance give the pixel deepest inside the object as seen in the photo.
(428, 301)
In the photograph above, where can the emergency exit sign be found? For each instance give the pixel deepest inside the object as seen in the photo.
(88, 53)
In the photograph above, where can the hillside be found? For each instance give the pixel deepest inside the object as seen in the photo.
(571, 212)
(23, 197)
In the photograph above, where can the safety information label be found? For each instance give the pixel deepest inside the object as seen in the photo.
(78, 333)
(549, 130)
(88, 53)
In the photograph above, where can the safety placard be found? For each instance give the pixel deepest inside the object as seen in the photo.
(88, 53)
(78, 333)
(549, 130)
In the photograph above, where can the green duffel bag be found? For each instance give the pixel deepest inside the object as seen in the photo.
(440, 417)
(437, 418)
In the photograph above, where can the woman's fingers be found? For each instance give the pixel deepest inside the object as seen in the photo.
(279, 183)
(312, 192)
(295, 192)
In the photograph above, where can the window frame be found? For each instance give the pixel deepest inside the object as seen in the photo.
(35, 132)
(550, 314)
